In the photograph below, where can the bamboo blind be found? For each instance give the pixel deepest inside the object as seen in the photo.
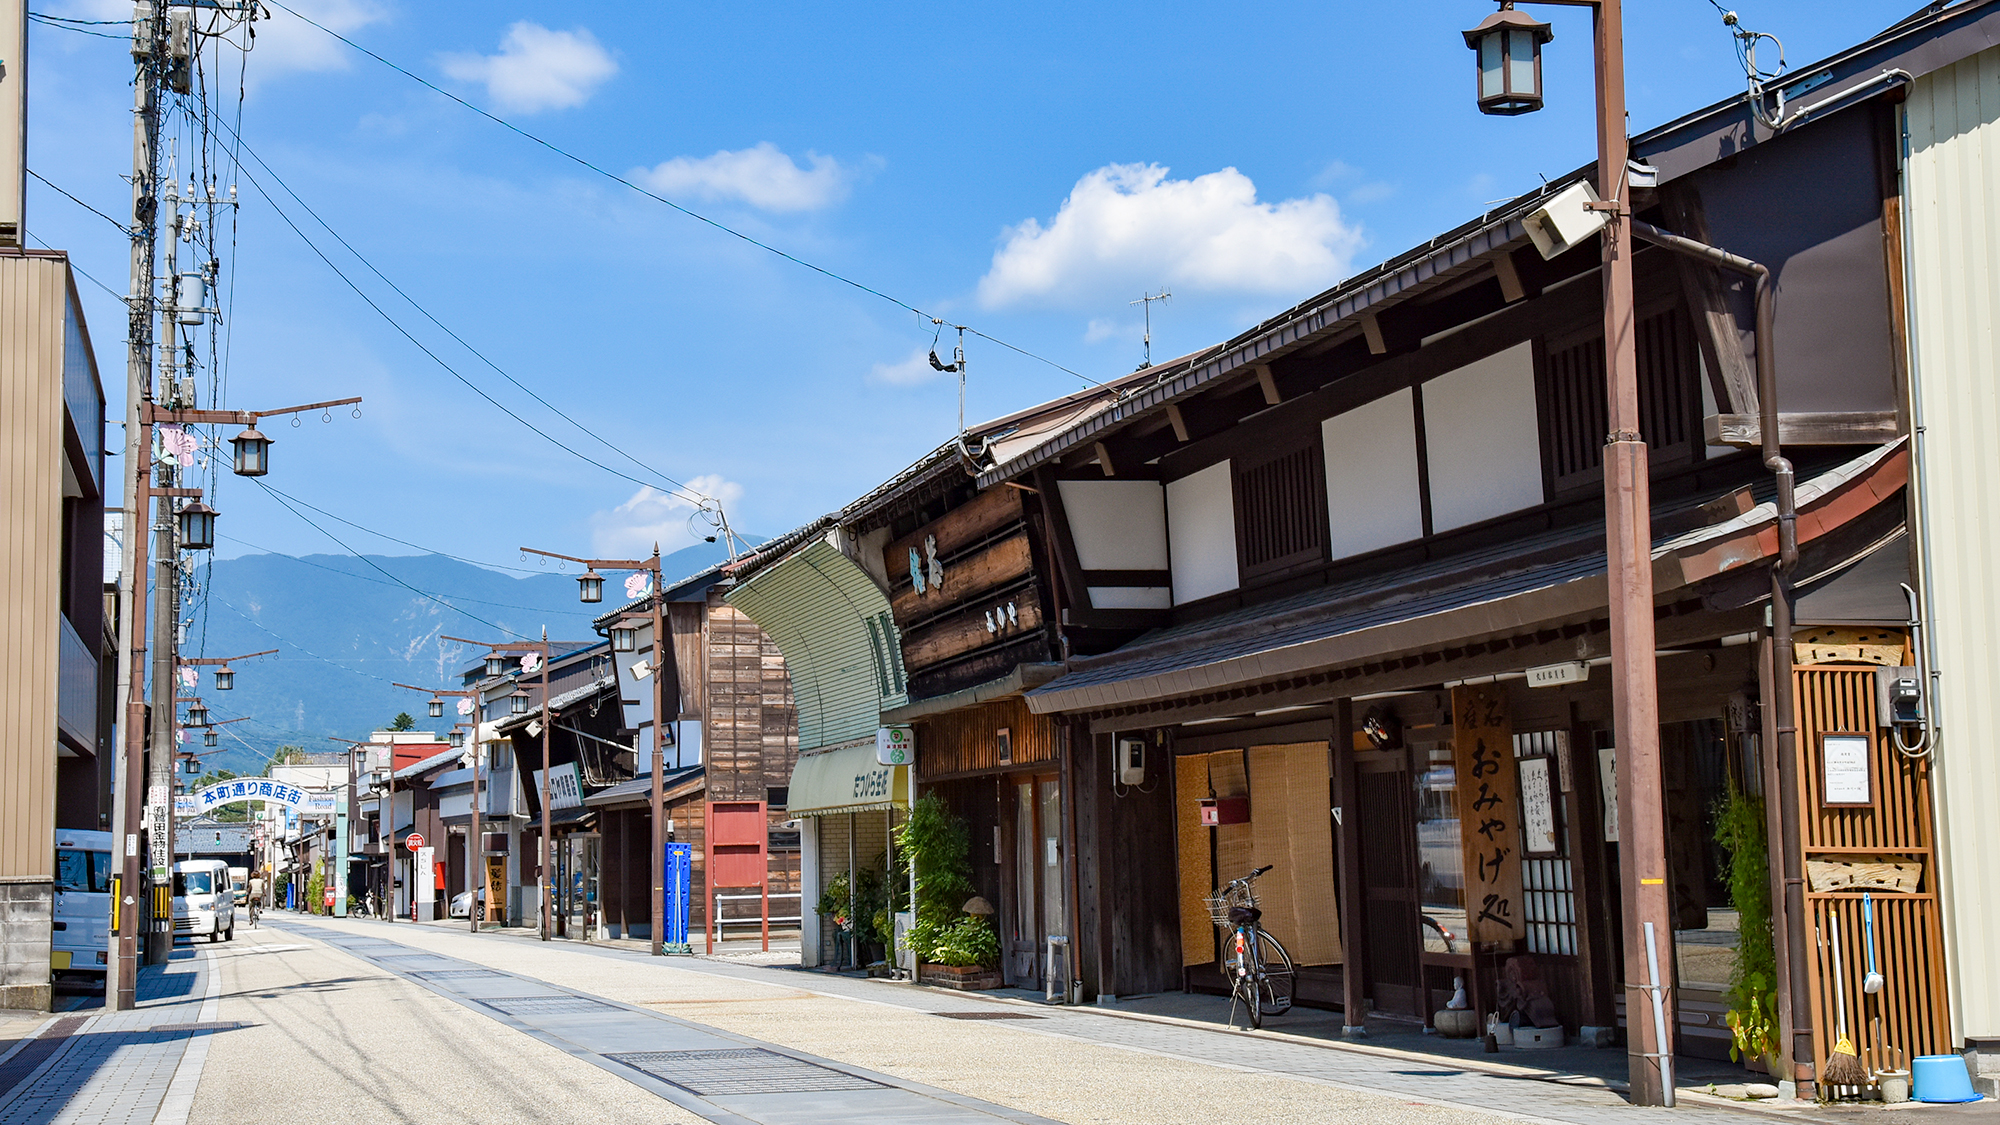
(1909, 1013)
(1292, 828)
(1191, 841)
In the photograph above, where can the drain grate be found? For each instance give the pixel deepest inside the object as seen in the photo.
(408, 957)
(454, 974)
(545, 1005)
(989, 1016)
(749, 1070)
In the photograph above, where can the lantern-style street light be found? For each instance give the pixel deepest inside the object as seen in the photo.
(197, 525)
(624, 638)
(496, 664)
(1509, 49)
(436, 708)
(253, 453)
(517, 704)
(590, 586)
(225, 678)
(457, 739)
(197, 715)
(210, 738)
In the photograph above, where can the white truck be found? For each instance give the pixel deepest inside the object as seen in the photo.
(81, 942)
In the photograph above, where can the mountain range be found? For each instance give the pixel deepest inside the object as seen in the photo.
(348, 628)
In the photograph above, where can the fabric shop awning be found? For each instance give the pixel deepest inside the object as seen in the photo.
(846, 778)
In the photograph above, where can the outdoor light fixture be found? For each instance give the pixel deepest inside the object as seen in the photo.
(225, 678)
(1508, 45)
(518, 703)
(191, 766)
(496, 664)
(197, 522)
(590, 586)
(253, 453)
(624, 638)
(437, 708)
(457, 739)
(210, 738)
(197, 716)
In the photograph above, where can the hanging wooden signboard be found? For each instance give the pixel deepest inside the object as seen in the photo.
(1489, 811)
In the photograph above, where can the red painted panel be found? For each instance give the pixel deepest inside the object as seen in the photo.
(737, 822)
(737, 865)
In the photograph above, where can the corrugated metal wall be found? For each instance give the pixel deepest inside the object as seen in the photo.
(1951, 167)
(33, 297)
(827, 617)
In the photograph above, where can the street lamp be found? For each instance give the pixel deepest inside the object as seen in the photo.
(1508, 45)
(457, 739)
(517, 704)
(496, 664)
(590, 586)
(197, 522)
(225, 678)
(436, 709)
(197, 715)
(253, 453)
(210, 738)
(624, 638)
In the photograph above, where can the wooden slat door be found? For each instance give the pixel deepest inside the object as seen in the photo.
(1389, 881)
(1910, 1012)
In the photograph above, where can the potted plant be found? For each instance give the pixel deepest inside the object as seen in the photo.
(966, 954)
(1753, 1015)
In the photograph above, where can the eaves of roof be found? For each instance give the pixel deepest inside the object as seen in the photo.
(1916, 45)
(428, 764)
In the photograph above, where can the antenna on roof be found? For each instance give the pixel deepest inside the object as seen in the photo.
(1164, 294)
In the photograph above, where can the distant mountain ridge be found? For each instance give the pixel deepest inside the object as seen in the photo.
(347, 632)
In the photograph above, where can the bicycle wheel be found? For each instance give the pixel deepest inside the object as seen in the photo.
(1279, 980)
(1243, 975)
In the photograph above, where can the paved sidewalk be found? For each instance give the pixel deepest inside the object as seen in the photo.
(119, 1067)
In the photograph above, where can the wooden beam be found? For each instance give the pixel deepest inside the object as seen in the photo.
(1855, 427)
(1267, 384)
(1511, 289)
(1732, 375)
(1371, 328)
(1104, 459)
(1179, 423)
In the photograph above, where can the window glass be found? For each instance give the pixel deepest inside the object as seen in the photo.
(78, 870)
(193, 883)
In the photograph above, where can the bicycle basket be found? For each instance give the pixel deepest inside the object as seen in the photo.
(1220, 905)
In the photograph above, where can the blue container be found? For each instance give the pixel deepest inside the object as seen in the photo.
(1941, 1078)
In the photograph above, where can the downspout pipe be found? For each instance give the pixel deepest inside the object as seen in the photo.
(1793, 997)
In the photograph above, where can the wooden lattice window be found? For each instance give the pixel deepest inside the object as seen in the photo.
(1669, 398)
(1281, 511)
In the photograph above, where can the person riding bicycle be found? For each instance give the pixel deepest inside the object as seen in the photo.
(256, 897)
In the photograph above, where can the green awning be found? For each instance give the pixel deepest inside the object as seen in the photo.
(846, 779)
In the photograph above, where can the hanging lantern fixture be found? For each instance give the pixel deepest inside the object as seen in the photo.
(253, 453)
(1508, 47)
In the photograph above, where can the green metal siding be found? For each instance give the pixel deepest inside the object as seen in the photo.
(833, 626)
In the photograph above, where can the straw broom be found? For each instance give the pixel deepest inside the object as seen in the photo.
(1843, 1066)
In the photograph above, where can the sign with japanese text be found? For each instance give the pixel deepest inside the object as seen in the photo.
(1489, 811)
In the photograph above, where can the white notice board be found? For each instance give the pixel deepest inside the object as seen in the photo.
(1844, 760)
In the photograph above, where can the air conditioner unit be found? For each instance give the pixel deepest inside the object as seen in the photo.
(1131, 762)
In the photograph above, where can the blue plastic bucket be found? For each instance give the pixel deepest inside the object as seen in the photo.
(1941, 1078)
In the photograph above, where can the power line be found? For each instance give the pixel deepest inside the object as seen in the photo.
(657, 198)
(79, 269)
(405, 542)
(379, 582)
(122, 228)
(686, 490)
(62, 25)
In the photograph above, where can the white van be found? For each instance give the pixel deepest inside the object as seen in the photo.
(82, 937)
(239, 885)
(203, 903)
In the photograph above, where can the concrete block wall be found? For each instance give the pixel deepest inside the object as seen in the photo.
(27, 913)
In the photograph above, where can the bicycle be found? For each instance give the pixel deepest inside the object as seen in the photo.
(1255, 966)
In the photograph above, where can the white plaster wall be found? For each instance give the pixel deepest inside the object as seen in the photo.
(1117, 524)
(1131, 597)
(1201, 533)
(1482, 437)
(1372, 492)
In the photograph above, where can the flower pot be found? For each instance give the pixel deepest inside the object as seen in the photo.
(964, 978)
(1894, 1084)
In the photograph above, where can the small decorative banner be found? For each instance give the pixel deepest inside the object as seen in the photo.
(465, 705)
(190, 678)
(637, 585)
(530, 661)
(1489, 813)
(178, 443)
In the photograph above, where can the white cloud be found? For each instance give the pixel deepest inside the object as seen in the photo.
(1101, 329)
(762, 176)
(1126, 227)
(651, 516)
(910, 371)
(537, 69)
(284, 42)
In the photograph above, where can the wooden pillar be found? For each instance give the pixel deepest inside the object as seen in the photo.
(1590, 872)
(1353, 945)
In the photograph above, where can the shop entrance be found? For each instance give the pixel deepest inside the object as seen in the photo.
(1390, 914)
(576, 885)
(1034, 887)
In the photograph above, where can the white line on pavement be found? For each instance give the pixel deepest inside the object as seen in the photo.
(179, 1102)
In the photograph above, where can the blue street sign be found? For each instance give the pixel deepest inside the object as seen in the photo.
(680, 875)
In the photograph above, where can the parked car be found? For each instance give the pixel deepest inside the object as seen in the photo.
(461, 904)
(81, 940)
(203, 902)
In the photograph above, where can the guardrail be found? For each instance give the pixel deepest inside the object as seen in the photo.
(721, 922)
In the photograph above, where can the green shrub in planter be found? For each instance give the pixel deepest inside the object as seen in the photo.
(972, 941)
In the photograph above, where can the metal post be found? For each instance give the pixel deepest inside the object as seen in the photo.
(475, 910)
(385, 816)
(659, 907)
(1628, 543)
(548, 784)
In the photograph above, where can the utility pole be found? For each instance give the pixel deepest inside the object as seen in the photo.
(1165, 294)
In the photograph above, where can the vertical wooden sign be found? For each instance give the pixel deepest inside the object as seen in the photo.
(1489, 812)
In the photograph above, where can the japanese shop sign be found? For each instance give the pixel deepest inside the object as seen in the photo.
(1489, 813)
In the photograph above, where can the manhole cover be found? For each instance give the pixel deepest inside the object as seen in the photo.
(454, 974)
(543, 1005)
(749, 1070)
(988, 1016)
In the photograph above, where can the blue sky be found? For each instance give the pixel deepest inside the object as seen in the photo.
(1026, 169)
